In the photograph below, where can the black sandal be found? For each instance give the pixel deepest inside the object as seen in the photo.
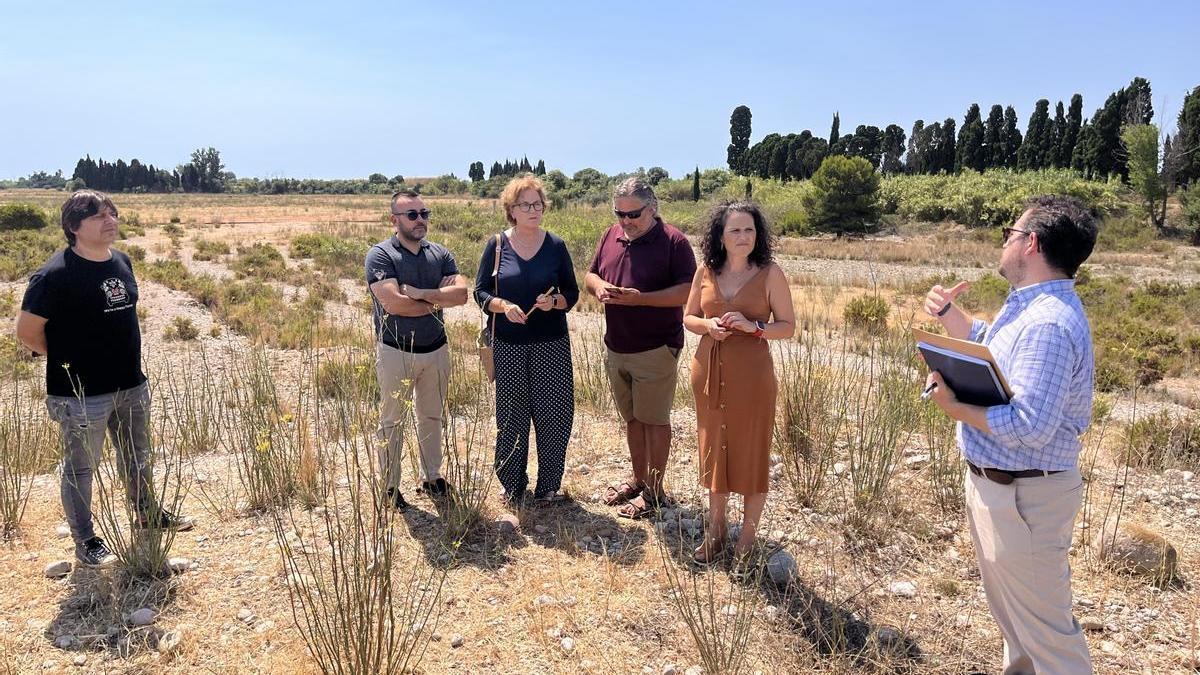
(621, 494)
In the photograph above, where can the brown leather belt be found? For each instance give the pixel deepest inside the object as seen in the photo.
(1005, 477)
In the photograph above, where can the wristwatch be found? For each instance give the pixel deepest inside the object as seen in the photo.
(759, 328)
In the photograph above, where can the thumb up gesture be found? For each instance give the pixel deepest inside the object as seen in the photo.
(939, 299)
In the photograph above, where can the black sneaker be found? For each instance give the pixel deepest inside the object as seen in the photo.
(94, 553)
(436, 488)
(396, 499)
(165, 520)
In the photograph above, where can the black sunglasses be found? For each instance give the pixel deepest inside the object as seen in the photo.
(632, 215)
(1006, 232)
(413, 214)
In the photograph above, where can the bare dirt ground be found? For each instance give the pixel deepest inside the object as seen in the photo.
(575, 589)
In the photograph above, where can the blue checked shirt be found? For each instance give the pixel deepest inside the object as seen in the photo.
(1043, 343)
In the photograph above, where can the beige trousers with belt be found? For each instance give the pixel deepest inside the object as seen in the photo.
(1022, 532)
(411, 386)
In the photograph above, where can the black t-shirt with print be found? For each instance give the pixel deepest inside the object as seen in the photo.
(93, 342)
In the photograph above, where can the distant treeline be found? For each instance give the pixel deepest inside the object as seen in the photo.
(1066, 140)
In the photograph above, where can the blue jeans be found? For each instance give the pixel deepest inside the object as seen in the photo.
(125, 415)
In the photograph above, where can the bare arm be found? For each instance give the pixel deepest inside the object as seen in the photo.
(387, 292)
(673, 296)
(31, 331)
(779, 294)
(451, 293)
(596, 286)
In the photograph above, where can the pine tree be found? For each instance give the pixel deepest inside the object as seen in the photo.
(913, 159)
(1083, 157)
(1032, 154)
(1107, 126)
(970, 153)
(1012, 138)
(1066, 148)
(947, 149)
(1187, 140)
(526, 167)
(1058, 130)
(993, 138)
(1139, 105)
(835, 131)
(893, 148)
(497, 170)
(540, 169)
(739, 139)
(696, 185)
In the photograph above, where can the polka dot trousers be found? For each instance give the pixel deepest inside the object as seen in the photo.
(533, 382)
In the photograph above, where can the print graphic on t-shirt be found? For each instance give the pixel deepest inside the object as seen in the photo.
(114, 292)
(379, 274)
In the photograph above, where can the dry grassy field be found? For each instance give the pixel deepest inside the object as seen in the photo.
(257, 340)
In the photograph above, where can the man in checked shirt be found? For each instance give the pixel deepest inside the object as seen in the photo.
(1023, 487)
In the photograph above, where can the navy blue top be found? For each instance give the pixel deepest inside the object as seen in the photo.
(521, 281)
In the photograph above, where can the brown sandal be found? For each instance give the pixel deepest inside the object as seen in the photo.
(621, 493)
(710, 550)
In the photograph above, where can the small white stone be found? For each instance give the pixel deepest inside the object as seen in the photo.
(62, 531)
(584, 469)
(80, 660)
(179, 565)
(456, 641)
(64, 641)
(568, 644)
(544, 600)
(58, 569)
(554, 633)
(143, 617)
(264, 626)
(1091, 623)
(670, 669)
(245, 615)
(904, 589)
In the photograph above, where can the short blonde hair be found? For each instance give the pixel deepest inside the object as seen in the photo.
(512, 191)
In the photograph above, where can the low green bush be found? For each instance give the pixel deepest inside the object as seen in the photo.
(867, 312)
(22, 217)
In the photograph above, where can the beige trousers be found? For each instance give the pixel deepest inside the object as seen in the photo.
(411, 385)
(1022, 532)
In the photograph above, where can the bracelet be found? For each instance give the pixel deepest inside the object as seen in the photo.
(942, 311)
(759, 328)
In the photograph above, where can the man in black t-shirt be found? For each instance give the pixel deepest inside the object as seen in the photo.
(411, 280)
(80, 310)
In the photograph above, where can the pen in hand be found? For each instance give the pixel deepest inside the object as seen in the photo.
(928, 390)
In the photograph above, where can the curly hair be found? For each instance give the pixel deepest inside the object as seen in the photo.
(714, 251)
(514, 188)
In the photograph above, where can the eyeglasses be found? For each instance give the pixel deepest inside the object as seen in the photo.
(631, 215)
(530, 206)
(1007, 232)
(413, 214)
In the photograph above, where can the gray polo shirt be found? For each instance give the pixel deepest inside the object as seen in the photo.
(424, 269)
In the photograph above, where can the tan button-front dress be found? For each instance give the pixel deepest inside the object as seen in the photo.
(734, 385)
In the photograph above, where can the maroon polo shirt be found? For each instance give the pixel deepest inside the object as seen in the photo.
(660, 258)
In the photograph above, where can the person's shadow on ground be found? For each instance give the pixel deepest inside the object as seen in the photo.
(96, 615)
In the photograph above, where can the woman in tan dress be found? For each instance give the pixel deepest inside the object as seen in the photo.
(739, 300)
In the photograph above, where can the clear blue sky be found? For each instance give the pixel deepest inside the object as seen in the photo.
(308, 89)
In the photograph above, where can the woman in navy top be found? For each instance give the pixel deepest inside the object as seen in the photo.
(529, 299)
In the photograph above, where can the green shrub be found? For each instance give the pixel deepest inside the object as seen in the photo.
(794, 223)
(347, 379)
(1189, 200)
(1159, 441)
(261, 261)
(844, 195)
(996, 197)
(867, 312)
(22, 252)
(181, 328)
(22, 217)
(986, 294)
(136, 253)
(336, 255)
(1127, 234)
(210, 250)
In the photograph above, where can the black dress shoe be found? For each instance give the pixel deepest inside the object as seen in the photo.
(396, 499)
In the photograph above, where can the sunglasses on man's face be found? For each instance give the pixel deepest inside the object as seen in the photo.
(413, 214)
(1007, 233)
(631, 215)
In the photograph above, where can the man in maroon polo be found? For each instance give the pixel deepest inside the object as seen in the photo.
(642, 272)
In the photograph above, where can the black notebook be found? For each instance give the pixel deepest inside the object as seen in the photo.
(967, 367)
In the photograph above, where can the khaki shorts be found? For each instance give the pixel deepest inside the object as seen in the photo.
(643, 383)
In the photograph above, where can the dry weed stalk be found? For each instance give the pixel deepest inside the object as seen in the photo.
(26, 445)
(143, 551)
(360, 606)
